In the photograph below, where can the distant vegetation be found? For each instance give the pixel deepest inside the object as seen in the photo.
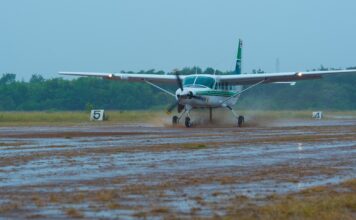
(38, 94)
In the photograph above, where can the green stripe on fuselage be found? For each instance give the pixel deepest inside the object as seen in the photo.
(216, 93)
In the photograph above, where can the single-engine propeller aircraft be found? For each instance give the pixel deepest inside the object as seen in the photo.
(210, 90)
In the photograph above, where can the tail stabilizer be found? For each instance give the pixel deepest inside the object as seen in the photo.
(239, 58)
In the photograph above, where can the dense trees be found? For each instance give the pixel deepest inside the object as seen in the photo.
(336, 93)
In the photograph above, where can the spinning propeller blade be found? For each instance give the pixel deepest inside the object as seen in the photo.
(191, 96)
(179, 80)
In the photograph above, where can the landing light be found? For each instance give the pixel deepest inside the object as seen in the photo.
(110, 75)
(300, 74)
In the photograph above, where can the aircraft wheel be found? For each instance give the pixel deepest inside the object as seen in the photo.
(188, 124)
(175, 120)
(240, 121)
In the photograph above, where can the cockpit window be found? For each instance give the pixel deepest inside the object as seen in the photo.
(205, 81)
(189, 80)
(199, 81)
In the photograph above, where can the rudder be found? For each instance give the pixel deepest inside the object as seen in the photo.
(238, 58)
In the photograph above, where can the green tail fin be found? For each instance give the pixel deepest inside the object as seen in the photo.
(238, 58)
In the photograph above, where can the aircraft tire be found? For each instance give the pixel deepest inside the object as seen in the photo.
(175, 120)
(240, 121)
(188, 124)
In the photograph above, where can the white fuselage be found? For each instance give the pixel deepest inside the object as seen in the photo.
(210, 94)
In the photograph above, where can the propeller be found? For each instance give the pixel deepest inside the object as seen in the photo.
(179, 80)
(190, 95)
(180, 85)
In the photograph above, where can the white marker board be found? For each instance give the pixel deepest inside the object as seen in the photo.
(97, 115)
(318, 115)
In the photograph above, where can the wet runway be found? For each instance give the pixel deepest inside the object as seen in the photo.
(142, 170)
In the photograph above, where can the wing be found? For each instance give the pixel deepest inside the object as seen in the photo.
(134, 77)
(245, 79)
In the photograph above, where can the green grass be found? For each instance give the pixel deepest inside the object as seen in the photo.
(79, 117)
(321, 202)
(195, 146)
(72, 118)
(305, 114)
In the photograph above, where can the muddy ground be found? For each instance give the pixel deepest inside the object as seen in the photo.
(133, 171)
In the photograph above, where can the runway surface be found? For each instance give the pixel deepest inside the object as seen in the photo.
(142, 170)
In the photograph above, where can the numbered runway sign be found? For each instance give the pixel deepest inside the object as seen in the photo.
(97, 115)
(317, 115)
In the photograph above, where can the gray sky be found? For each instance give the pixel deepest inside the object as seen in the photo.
(41, 36)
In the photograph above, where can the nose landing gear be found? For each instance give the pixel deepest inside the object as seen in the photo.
(187, 122)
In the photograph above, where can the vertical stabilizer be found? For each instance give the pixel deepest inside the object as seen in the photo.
(238, 58)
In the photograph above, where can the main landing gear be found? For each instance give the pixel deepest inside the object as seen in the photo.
(240, 118)
(240, 121)
(175, 120)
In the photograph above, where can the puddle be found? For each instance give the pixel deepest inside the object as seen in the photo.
(184, 180)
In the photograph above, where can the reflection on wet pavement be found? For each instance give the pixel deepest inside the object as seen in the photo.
(128, 170)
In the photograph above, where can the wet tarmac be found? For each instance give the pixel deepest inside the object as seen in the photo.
(140, 170)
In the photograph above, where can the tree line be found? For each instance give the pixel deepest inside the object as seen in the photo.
(39, 94)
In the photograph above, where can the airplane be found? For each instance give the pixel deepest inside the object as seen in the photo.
(210, 91)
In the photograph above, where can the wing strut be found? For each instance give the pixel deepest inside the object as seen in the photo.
(157, 87)
(244, 90)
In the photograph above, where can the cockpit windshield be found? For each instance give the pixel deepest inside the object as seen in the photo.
(189, 81)
(205, 81)
(201, 81)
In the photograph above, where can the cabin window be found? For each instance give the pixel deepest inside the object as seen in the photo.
(219, 86)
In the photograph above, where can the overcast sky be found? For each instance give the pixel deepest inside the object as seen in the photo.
(41, 36)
